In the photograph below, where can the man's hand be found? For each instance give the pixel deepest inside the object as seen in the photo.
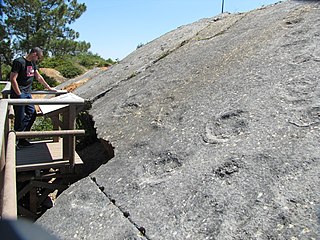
(53, 89)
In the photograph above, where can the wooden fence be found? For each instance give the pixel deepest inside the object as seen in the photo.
(68, 106)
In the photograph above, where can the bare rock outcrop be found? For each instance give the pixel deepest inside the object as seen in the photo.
(215, 127)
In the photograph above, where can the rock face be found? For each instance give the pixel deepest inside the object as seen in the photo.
(216, 133)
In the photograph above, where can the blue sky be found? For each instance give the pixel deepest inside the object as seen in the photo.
(116, 27)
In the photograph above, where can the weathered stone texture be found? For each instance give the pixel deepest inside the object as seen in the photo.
(216, 132)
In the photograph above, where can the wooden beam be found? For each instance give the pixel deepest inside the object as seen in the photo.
(71, 140)
(30, 167)
(47, 92)
(3, 137)
(60, 133)
(3, 121)
(43, 196)
(23, 211)
(33, 200)
(25, 190)
(44, 101)
(47, 176)
(49, 185)
(6, 90)
(57, 125)
(9, 204)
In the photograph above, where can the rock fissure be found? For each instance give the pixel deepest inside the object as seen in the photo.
(125, 213)
(216, 139)
(222, 31)
(100, 95)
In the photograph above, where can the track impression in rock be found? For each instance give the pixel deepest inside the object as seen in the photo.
(225, 126)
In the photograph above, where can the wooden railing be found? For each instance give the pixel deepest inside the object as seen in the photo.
(64, 129)
(8, 196)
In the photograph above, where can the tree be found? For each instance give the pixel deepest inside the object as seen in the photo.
(61, 47)
(1, 11)
(6, 53)
(43, 23)
(5, 50)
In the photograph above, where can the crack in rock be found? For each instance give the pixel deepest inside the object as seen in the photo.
(126, 214)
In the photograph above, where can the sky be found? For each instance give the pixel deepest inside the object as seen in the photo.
(115, 28)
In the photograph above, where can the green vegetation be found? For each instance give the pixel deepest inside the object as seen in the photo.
(2, 87)
(45, 24)
(5, 72)
(38, 86)
(71, 66)
(83, 121)
(42, 124)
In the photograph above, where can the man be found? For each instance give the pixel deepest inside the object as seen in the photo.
(23, 72)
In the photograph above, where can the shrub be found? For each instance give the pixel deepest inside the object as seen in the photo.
(64, 64)
(6, 69)
(72, 66)
(38, 86)
(2, 87)
(42, 124)
(69, 70)
(90, 60)
(52, 62)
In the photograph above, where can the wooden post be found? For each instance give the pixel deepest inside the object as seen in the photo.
(9, 204)
(56, 125)
(3, 160)
(72, 139)
(69, 142)
(3, 139)
(33, 198)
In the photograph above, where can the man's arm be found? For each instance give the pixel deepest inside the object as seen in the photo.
(14, 83)
(43, 82)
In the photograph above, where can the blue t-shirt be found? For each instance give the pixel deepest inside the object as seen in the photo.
(26, 72)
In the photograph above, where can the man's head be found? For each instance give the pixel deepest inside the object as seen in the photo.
(36, 54)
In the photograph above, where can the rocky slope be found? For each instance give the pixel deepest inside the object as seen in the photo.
(216, 133)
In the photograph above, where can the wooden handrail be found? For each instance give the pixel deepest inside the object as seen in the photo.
(48, 92)
(59, 133)
(6, 91)
(9, 201)
(7, 87)
(44, 101)
(3, 121)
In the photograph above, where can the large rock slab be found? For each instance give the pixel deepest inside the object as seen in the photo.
(216, 131)
(85, 212)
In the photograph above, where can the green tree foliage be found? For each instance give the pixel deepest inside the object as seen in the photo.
(89, 60)
(5, 71)
(5, 51)
(60, 47)
(44, 23)
(71, 66)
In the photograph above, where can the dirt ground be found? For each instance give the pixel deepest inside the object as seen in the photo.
(53, 74)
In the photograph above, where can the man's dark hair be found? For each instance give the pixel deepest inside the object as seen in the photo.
(36, 50)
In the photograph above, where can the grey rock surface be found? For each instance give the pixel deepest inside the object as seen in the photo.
(216, 133)
(84, 212)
